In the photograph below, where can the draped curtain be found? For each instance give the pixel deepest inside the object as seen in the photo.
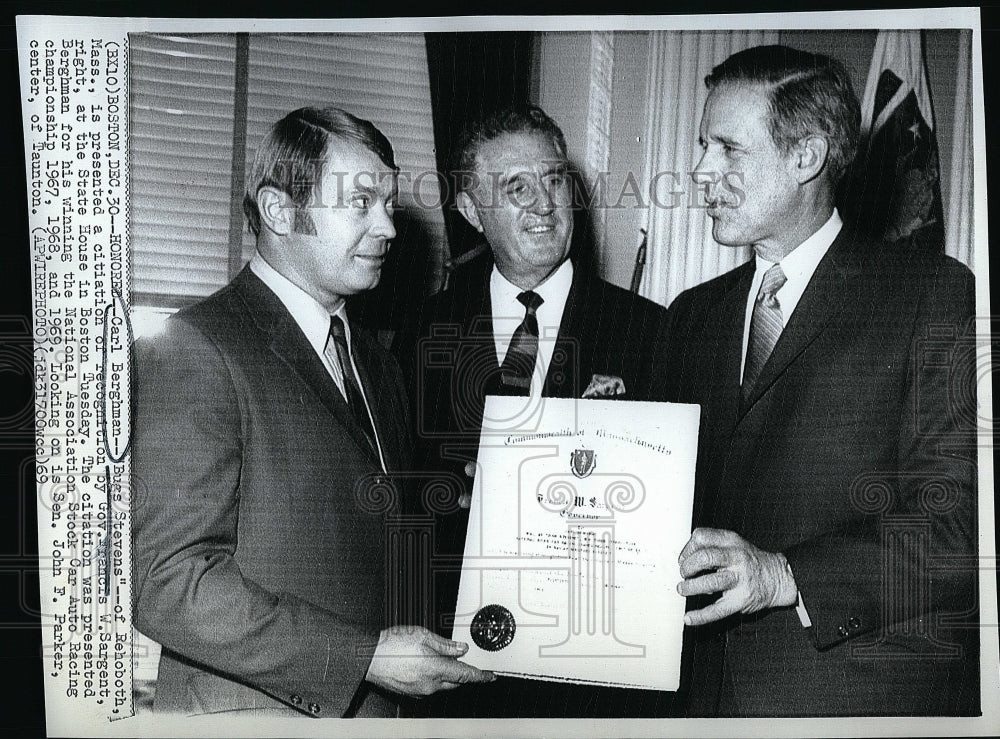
(958, 241)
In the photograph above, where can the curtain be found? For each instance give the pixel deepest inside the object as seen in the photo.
(958, 241)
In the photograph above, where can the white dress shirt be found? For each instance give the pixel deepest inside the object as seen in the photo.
(314, 320)
(799, 265)
(508, 312)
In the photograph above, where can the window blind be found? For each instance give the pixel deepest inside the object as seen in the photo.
(180, 156)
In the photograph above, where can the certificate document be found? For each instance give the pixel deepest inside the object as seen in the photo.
(570, 568)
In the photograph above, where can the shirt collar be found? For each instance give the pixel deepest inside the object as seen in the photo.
(800, 263)
(553, 290)
(310, 316)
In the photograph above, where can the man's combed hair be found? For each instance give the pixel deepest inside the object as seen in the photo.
(293, 153)
(809, 94)
(514, 119)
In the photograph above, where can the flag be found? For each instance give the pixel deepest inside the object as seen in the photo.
(893, 189)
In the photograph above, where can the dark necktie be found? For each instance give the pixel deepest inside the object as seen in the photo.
(519, 362)
(765, 327)
(352, 388)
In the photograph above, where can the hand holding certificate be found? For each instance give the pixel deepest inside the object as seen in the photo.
(574, 532)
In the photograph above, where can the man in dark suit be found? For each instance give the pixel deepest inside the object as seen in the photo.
(267, 430)
(832, 570)
(526, 321)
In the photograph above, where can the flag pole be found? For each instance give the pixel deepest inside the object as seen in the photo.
(640, 263)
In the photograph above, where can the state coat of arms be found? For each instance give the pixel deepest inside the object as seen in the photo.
(582, 462)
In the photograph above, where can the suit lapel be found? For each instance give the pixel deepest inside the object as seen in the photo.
(290, 345)
(376, 382)
(476, 317)
(820, 303)
(719, 346)
(730, 321)
(568, 359)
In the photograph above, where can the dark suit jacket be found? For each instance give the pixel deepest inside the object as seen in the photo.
(452, 367)
(855, 457)
(259, 534)
(451, 362)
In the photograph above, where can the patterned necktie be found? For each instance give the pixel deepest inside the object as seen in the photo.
(352, 388)
(765, 327)
(519, 362)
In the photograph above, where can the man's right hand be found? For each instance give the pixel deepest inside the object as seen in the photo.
(416, 662)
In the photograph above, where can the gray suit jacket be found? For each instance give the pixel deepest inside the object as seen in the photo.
(259, 511)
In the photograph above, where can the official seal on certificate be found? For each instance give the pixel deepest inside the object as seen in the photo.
(493, 628)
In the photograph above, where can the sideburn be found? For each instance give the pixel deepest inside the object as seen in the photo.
(303, 223)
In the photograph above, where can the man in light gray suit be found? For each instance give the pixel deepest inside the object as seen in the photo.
(267, 429)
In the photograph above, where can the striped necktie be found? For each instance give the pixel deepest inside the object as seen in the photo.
(765, 327)
(519, 362)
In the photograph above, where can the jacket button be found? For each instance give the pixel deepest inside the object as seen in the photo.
(314, 708)
(296, 700)
(854, 623)
(842, 630)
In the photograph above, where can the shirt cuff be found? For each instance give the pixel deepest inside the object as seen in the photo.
(800, 609)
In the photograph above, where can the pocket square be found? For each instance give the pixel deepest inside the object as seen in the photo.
(604, 386)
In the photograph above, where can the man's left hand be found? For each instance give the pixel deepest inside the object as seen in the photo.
(750, 579)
